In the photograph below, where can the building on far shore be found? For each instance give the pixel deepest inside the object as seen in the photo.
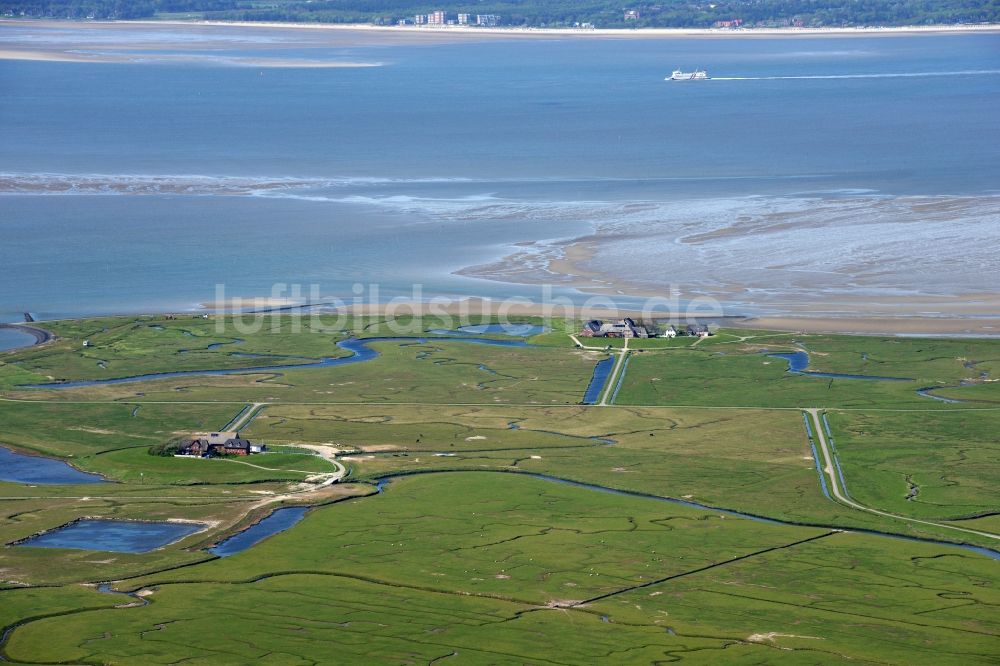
(208, 444)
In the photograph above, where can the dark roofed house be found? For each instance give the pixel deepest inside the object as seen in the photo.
(219, 444)
(236, 447)
(699, 330)
(591, 329)
(194, 447)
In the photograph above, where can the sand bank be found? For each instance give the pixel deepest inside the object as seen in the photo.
(171, 58)
(869, 256)
(915, 326)
(943, 325)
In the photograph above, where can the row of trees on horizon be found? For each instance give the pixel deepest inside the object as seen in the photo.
(534, 13)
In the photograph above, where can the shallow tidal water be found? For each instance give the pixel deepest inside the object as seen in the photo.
(143, 184)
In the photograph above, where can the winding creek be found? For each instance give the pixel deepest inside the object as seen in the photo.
(144, 536)
(360, 353)
(384, 481)
(798, 364)
(137, 537)
(278, 521)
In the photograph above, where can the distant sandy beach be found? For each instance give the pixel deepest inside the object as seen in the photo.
(150, 41)
(641, 33)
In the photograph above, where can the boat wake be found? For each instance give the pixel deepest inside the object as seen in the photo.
(883, 75)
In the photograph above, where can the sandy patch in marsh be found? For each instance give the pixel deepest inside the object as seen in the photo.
(771, 635)
(95, 431)
(375, 448)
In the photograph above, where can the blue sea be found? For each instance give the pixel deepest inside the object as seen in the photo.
(168, 160)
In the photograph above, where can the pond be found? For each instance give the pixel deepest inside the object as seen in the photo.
(513, 330)
(279, 521)
(35, 470)
(119, 536)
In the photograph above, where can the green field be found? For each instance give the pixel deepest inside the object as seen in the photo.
(457, 533)
(524, 568)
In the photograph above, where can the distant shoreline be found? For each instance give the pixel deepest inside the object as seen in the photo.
(467, 31)
(900, 325)
(620, 32)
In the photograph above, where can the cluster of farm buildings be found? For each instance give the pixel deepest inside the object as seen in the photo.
(628, 328)
(210, 444)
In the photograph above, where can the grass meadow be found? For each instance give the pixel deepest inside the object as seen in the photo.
(455, 537)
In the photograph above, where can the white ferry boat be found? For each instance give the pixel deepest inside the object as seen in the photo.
(696, 75)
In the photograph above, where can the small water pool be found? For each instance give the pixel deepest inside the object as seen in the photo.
(279, 521)
(513, 330)
(600, 376)
(118, 536)
(34, 470)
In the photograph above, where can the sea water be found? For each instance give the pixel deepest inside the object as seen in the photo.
(140, 186)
